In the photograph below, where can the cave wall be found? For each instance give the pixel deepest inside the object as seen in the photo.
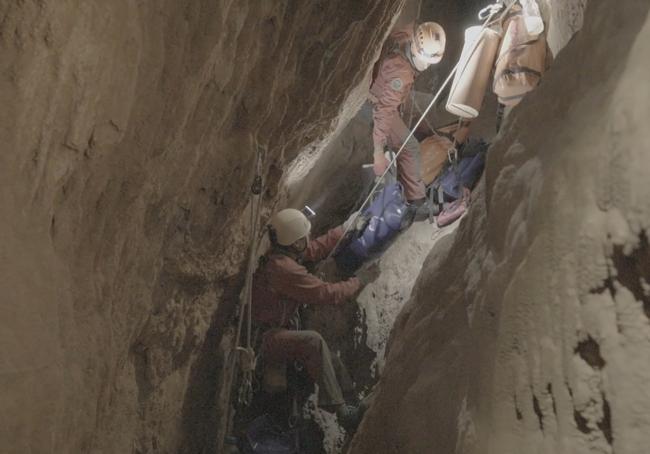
(128, 134)
(528, 328)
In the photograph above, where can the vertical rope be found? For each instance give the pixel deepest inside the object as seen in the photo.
(245, 304)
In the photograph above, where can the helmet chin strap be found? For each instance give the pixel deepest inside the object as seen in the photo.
(292, 248)
(414, 61)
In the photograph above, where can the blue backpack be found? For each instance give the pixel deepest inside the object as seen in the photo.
(384, 221)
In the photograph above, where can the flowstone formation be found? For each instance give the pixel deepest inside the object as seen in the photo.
(528, 328)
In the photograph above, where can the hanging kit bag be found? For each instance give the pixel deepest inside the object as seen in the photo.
(473, 74)
(521, 62)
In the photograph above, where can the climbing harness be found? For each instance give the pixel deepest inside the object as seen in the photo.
(491, 11)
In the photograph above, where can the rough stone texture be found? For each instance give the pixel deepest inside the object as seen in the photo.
(382, 301)
(528, 328)
(128, 132)
(336, 184)
(562, 18)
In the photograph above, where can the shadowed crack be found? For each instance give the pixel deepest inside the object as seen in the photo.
(549, 389)
(632, 272)
(517, 411)
(538, 412)
(605, 424)
(632, 269)
(581, 422)
(589, 350)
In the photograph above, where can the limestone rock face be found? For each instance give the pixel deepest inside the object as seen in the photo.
(528, 328)
(129, 133)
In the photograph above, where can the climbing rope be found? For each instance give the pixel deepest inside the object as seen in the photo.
(245, 354)
(489, 13)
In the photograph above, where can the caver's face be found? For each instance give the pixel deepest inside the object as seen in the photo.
(300, 245)
(419, 64)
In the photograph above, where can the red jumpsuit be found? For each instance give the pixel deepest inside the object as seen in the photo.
(280, 286)
(388, 92)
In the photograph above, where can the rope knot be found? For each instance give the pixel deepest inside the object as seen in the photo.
(247, 359)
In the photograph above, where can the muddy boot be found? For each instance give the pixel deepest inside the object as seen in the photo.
(423, 211)
(367, 402)
(409, 215)
(416, 211)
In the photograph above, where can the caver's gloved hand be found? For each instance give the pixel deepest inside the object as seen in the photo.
(368, 273)
(381, 163)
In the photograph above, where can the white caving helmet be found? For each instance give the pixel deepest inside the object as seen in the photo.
(428, 44)
(290, 225)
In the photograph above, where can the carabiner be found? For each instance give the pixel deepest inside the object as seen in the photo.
(490, 11)
(452, 152)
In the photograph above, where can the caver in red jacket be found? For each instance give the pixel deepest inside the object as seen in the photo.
(389, 90)
(280, 286)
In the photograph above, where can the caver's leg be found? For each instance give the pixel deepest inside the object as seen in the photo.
(308, 347)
